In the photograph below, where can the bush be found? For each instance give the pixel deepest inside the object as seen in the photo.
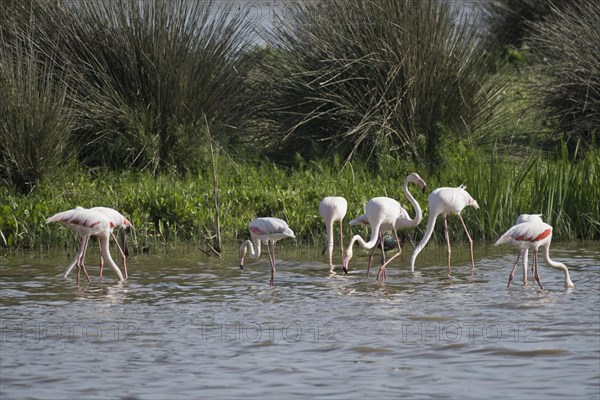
(36, 121)
(146, 74)
(567, 62)
(508, 21)
(373, 77)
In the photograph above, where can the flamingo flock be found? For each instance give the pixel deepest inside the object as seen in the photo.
(381, 214)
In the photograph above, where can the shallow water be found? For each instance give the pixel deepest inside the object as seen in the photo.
(188, 326)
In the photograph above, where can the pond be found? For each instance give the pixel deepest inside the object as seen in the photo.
(185, 325)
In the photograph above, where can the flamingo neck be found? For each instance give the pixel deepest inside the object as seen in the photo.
(418, 212)
(559, 265)
(248, 245)
(423, 242)
(104, 250)
(365, 245)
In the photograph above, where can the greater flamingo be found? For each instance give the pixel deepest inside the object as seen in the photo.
(87, 223)
(117, 220)
(333, 209)
(524, 250)
(535, 234)
(445, 201)
(383, 213)
(268, 230)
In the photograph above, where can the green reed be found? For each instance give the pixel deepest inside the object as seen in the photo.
(171, 209)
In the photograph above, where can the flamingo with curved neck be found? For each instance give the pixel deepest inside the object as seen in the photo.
(534, 234)
(445, 200)
(333, 208)
(268, 230)
(383, 213)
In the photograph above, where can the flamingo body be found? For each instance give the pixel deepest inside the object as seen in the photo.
(87, 223)
(444, 201)
(268, 230)
(534, 234)
(333, 209)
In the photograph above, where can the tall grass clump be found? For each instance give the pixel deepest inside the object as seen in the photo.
(507, 21)
(373, 77)
(564, 48)
(567, 192)
(147, 73)
(35, 117)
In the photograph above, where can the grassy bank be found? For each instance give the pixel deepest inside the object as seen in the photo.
(169, 209)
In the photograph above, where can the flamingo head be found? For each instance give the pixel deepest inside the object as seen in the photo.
(242, 255)
(346, 260)
(569, 284)
(415, 178)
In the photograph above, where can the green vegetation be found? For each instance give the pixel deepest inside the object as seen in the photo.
(169, 209)
(125, 103)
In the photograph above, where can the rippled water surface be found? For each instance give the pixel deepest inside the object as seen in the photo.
(188, 326)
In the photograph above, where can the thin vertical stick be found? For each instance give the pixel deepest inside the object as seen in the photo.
(218, 243)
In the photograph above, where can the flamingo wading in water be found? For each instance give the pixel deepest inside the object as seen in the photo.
(333, 209)
(383, 213)
(535, 234)
(118, 221)
(268, 230)
(87, 223)
(445, 201)
(524, 249)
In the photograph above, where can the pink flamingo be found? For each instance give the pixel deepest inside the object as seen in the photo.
(118, 221)
(445, 201)
(268, 230)
(87, 223)
(383, 213)
(524, 250)
(535, 234)
(333, 209)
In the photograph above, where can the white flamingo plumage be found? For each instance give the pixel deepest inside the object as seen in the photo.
(87, 223)
(534, 234)
(524, 250)
(383, 213)
(445, 200)
(333, 208)
(268, 230)
(118, 221)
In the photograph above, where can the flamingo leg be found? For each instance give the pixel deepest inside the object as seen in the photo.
(272, 259)
(101, 259)
(447, 242)
(81, 257)
(512, 272)
(390, 260)
(470, 242)
(381, 267)
(370, 260)
(525, 255)
(122, 254)
(373, 253)
(341, 244)
(536, 274)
